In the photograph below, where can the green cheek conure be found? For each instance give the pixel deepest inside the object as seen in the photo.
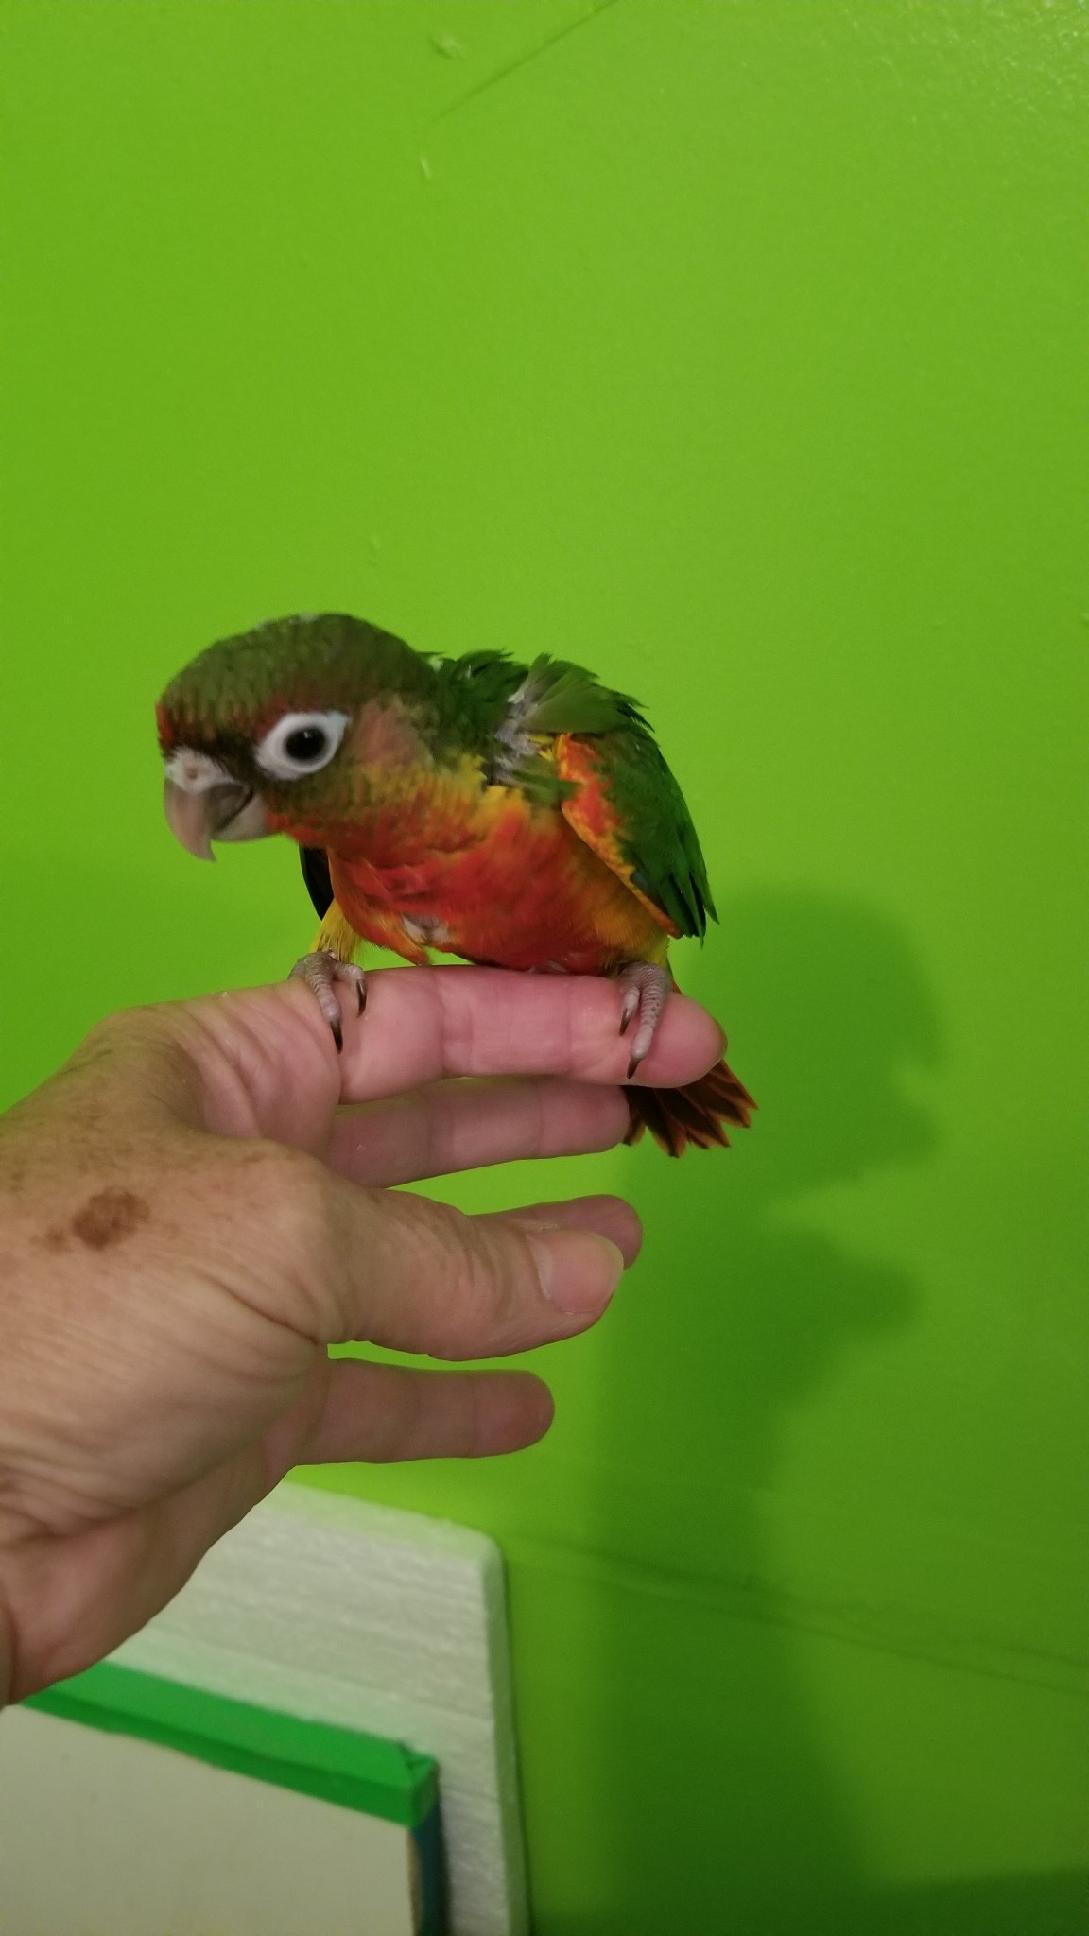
(518, 816)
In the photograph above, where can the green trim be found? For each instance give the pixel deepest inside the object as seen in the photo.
(338, 1765)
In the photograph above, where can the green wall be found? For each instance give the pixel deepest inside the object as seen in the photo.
(737, 349)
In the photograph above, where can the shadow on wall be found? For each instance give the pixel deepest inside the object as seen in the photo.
(716, 1797)
(717, 1808)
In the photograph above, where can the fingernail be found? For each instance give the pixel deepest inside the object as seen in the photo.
(578, 1270)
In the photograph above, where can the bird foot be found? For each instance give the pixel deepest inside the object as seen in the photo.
(646, 987)
(321, 971)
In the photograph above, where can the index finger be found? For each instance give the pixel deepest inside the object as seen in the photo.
(422, 1024)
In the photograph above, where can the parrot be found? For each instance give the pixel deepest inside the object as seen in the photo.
(518, 815)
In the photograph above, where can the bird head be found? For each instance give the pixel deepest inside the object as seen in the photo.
(287, 728)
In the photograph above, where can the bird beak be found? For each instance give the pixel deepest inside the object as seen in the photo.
(229, 811)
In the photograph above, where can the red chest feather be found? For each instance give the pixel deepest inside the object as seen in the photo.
(520, 889)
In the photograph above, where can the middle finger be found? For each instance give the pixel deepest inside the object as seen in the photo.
(464, 1124)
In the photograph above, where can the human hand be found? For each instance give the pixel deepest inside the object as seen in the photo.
(191, 1216)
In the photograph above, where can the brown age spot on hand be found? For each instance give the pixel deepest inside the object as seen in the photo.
(108, 1218)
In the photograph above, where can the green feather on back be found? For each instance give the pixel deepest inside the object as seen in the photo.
(559, 697)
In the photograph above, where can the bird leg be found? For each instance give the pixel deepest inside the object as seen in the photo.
(321, 972)
(646, 986)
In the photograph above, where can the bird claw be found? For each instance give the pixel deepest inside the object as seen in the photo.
(646, 986)
(629, 1009)
(321, 971)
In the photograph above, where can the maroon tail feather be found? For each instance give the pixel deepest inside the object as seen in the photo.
(694, 1114)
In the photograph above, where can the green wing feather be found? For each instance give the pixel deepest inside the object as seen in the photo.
(510, 710)
(652, 837)
(646, 833)
(659, 837)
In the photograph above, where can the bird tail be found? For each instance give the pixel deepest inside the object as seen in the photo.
(695, 1114)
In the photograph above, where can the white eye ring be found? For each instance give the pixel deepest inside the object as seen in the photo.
(316, 737)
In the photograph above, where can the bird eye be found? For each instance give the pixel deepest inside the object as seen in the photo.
(300, 743)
